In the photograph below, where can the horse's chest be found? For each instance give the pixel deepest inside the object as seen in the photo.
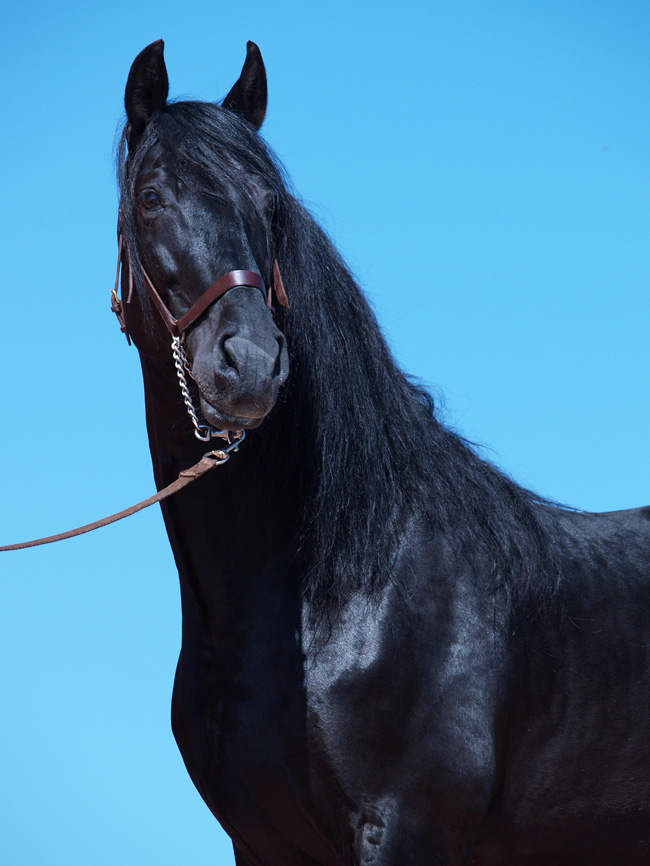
(242, 734)
(302, 750)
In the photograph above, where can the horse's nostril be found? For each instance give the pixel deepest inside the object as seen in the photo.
(279, 371)
(248, 358)
(229, 353)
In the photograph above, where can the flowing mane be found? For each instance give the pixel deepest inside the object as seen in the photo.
(361, 446)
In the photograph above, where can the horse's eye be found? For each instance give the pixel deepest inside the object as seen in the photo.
(149, 199)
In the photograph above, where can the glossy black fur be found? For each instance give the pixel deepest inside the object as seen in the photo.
(392, 654)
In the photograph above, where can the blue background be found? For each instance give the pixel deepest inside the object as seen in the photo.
(483, 168)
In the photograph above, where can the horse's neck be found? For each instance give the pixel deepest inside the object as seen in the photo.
(229, 533)
(172, 445)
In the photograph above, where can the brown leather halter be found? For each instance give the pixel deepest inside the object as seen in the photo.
(178, 327)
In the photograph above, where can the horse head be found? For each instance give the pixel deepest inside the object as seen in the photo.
(197, 226)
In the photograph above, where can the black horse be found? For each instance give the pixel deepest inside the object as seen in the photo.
(392, 654)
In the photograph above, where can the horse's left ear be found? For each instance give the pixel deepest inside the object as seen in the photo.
(146, 90)
(248, 96)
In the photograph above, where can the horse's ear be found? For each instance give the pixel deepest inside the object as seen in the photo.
(146, 90)
(248, 96)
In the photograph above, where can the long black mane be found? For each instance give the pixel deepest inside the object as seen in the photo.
(363, 451)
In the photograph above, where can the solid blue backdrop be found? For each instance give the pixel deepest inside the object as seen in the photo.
(483, 168)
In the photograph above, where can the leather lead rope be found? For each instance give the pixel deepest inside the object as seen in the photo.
(212, 458)
(187, 476)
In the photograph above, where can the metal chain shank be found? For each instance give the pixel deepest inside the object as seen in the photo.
(202, 431)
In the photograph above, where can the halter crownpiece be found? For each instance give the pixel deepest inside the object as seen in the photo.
(178, 327)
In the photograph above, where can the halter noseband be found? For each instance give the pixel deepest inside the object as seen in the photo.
(178, 327)
(231, 280)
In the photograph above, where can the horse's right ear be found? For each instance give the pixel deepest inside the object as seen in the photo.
(146, 90)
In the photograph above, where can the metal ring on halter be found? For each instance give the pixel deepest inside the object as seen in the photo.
(221, 455)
